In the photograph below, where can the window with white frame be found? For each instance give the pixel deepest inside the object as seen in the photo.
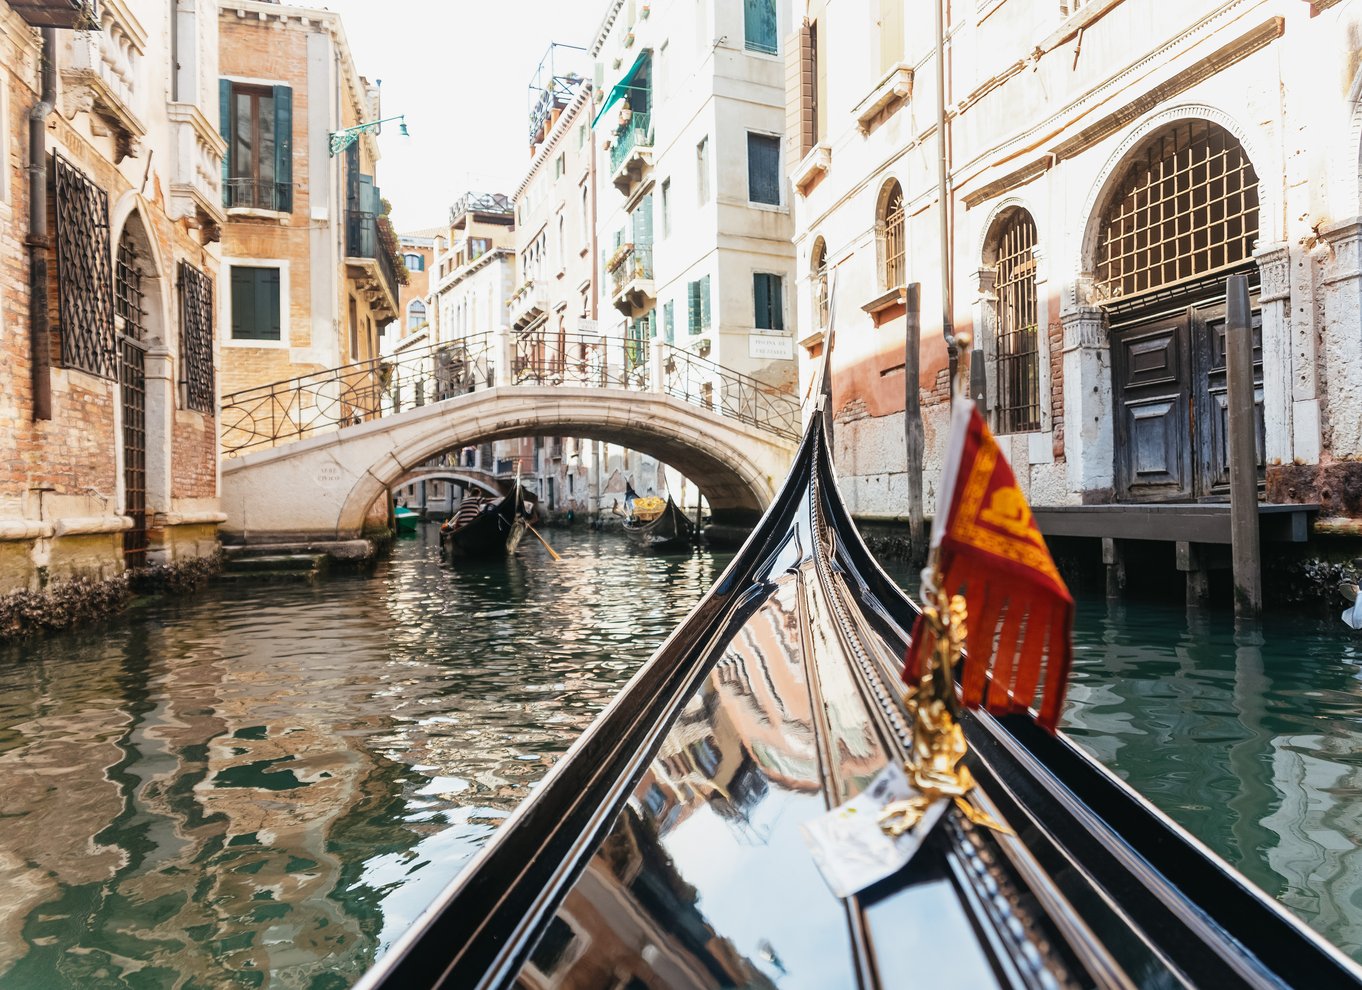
(255, 302)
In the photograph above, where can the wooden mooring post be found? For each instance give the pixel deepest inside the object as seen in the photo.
(1246, 548)
(912, 421)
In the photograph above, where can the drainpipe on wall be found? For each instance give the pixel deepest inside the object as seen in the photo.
(38, 240)
(943, 204)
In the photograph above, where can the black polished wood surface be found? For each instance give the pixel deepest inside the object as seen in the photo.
(665, 850)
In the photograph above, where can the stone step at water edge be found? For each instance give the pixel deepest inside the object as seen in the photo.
(267, 577)
(354, 550)
(276, 562)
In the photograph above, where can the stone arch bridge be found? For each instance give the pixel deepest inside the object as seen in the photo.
(310, 458)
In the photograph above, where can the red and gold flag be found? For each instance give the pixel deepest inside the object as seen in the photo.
(987, 544)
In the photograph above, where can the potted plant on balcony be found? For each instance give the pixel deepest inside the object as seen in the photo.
(618, 256)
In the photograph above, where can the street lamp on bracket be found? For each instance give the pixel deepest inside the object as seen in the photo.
(342, 139)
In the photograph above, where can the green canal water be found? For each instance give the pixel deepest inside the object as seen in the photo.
(262, 785)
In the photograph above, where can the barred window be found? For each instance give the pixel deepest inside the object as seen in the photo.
(196, 339)
(1017, 350)
(819, 264)
(1187, 206)
(889, 226)
(132, 317)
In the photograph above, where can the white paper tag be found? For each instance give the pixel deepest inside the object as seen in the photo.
(851, 849)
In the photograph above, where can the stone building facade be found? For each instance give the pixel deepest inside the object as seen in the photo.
(1109, 164)
(693, 221)
(312, 279)
(109, 223)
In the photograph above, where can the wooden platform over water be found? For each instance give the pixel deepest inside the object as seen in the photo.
(1174, 522)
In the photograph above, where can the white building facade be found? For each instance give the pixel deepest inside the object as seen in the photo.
(1110, 164)
(693, 221)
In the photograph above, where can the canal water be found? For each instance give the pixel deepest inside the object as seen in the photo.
(262, 785)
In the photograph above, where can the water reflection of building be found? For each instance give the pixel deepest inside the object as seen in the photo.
(632, 923)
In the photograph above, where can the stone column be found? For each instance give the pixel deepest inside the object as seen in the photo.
(985, 314)
(1089, 424)
(1342, 336)
(1274, 298)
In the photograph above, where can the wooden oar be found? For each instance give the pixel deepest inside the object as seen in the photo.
(552, 553)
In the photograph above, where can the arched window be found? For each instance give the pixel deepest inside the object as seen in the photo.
(416, 314)
(889, 228)
(128, 306)
(1187, 206)
(818, 274)
(1016, 344)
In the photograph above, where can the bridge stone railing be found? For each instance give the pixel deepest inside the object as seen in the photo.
(327, 400)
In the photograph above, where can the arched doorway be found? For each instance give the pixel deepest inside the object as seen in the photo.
(1182, 218)
(130, 321)
(1012, 338)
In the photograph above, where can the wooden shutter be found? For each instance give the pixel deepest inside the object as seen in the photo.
(225, 129)
(704, 303)
(763, 169)
(283, 146)
(801, 94)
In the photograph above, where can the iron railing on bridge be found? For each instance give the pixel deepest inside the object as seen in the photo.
(356, 393)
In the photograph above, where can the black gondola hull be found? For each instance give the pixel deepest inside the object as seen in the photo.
(665, 846)
(670, 532)
(491, 533)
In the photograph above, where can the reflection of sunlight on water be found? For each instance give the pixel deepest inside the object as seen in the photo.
(279, 779)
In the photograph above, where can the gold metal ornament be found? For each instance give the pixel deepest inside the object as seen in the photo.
(933, 767)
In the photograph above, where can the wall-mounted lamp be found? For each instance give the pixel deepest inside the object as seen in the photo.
(342, 139)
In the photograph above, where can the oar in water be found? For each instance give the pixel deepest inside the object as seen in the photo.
(552, 553)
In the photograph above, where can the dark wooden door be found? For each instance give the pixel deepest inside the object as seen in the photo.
(1211, 426)
(1170, 395)
(1152, 384)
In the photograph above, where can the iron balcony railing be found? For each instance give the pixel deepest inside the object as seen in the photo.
(255, 194)
(362, 241)
(357, 393)
(478, 202)
(635, 134)
(637, 264)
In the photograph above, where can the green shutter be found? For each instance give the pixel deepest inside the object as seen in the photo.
(704, 303)
(761, 303)
(225, 129)
(693, 307)
(283, 146)
(669, 321)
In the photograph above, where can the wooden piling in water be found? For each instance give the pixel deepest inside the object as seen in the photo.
(1246, 549)
(912, 420)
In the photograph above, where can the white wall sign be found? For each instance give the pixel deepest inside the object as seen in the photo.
(770, 347)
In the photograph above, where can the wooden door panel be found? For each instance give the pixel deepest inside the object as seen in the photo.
(1211, 428)
(1151, 381)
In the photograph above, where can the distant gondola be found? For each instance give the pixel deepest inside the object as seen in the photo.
(493, 528)
(665, 848)
(666, 530)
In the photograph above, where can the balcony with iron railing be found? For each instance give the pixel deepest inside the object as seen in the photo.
(370, 262)
(631, 278)
(528, 304)
(249, 193)
(632, 153)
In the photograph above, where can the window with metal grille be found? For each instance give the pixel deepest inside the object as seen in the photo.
(768, 301)
(84, 285)
(128, 290)
(759, 26)
(820, 283)
(763, 169)
(890, 227)
(1017, 350)
(1187, 206)
(196, 339)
